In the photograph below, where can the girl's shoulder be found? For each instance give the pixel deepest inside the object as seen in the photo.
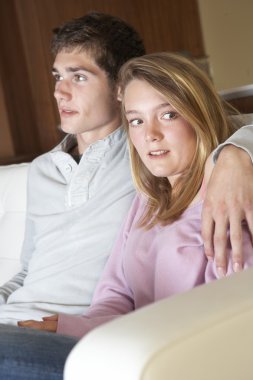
(186, 231)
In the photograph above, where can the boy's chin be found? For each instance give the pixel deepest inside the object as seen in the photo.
(70, 129)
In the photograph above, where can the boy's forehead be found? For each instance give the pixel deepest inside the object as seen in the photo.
(75, 55)
(75, 58)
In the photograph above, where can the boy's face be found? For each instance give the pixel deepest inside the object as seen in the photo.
(86, 100)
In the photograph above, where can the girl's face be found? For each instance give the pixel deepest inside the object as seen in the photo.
(165, 141)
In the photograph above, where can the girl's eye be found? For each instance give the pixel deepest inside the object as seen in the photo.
(169, 115)
(80, 78)
(135, 122)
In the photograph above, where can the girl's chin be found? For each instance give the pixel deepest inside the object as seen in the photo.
(158, 172)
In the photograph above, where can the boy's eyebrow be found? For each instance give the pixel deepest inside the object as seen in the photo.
(74, 69)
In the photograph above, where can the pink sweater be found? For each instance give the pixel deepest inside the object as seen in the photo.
(147, 266)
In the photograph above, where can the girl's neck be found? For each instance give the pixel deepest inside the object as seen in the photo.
(200, 194)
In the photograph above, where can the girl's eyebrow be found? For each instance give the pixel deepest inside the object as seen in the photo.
(157, 108)
(131, 111)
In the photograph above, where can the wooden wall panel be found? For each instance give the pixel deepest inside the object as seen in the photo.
(6, 146)
(38, 61)
(164, 24)
(25, 64)
(15, 83)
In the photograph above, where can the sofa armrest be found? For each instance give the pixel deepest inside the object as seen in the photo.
(205, 333)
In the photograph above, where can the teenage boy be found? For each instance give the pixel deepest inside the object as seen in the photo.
(79, 193)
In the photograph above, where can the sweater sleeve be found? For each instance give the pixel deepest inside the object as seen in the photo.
(17, 281)
(27, 248)
(10, 286)
(242, 138)
(112, 296)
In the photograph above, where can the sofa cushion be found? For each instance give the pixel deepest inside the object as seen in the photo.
(13, 180)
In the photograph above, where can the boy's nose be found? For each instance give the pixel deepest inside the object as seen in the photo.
(62, 90)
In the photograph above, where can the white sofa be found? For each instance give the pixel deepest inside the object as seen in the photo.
(205, 334)
(200, 335)
(12, 217)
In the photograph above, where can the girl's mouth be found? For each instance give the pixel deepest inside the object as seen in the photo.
(158, 153)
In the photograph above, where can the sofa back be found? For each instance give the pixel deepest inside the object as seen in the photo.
(13, 180)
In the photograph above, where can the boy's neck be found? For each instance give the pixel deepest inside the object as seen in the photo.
(84, 140)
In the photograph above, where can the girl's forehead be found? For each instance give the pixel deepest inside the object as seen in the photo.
(141, 92)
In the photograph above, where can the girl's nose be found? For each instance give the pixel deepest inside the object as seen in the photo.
(153, 132)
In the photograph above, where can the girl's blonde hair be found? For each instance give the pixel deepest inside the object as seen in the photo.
(189, 90)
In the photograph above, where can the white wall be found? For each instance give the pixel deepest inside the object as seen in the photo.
(227, 27)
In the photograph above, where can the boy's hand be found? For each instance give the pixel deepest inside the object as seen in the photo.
(47, 323)
(228, 201)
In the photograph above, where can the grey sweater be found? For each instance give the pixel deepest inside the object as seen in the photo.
(73, 215)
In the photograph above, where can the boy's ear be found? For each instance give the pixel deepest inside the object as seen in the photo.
(119, 94)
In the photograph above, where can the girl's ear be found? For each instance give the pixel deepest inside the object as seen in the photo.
(119, 94)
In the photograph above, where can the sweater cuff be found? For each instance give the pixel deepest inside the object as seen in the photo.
(243, 138)
(2, 299)
(72, 325)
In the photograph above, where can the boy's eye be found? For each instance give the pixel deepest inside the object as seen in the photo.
(135, 122)
(80, 78)
(169, 115)
(57, 77)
